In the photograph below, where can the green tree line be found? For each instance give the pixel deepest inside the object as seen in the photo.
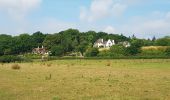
(72, 40)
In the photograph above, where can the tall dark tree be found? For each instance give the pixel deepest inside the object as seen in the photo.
(6, 43)
(23, 43)
(135, 47)
(38, 38)
(154, 39)
(51, 40)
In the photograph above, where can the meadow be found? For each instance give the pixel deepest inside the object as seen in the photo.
(142, 79)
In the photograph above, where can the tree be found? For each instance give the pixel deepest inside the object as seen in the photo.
(57, 51)
(81, 49)
(147, 42)
(118, 50)
(167, 51)
(163, 42)
(1, 51)
(6, 43)
(8, 51)
(92, 52)
(135, 47)
(154, 39)
(133, 36)
(38, 38)
(91, 36)
(23, 44)
(70, 39)
(51, 40)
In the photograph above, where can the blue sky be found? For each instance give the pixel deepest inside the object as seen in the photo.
(144, 18)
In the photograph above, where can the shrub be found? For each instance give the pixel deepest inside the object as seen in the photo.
(163, 42)
(117, 50)
(104, 53)
(167, 51)
(10, 58)
(32, 56)
(153, 51)
(57, 51)
(92, 52)
(132, 50)
(135, 47)
(16, 67)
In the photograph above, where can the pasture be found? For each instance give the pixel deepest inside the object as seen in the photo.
(86, 80)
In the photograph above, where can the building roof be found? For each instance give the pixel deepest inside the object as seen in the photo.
(99, 41)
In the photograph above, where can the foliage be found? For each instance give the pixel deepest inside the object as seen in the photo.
(73, 41)
(163, 42)
(9, 58)
(38, 38)
(118, 50)
(135, 47)
(92, 52)
(152, 52)
(51, 40)
(104, 53)
(57, 51)
(167, 51)
(32, 56)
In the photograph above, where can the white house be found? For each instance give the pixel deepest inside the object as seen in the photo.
(100, 43)
(109, 43)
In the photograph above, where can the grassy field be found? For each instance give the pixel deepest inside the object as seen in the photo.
(86, 80)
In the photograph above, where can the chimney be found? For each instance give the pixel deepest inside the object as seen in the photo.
(113, 41)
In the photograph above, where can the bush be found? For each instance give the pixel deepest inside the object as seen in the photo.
(10, 58)
(57, 51)
(32, 56)
(92, 52)
(152, 52)
(133, 50)
(117, 51)
(104, 53)
(163, 42)
(16, 67)
(135, 47)
(167, 51)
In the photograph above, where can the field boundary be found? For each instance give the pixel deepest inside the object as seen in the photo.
(93, 58)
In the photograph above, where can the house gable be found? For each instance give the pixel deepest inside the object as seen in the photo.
(106, 44)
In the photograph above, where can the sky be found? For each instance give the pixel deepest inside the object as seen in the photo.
(144, 18)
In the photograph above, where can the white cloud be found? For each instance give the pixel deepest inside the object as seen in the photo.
(18, 9)
(148, 26)
(109, 29)
(100, 9)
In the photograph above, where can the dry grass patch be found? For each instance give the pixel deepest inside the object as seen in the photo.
(155, 47)
(16, 67)
(49, 64)
(87, 80)
(108, 63)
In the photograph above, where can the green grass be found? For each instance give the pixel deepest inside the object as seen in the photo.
(87, 80)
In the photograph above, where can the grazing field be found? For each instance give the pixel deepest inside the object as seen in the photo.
(86, 80)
